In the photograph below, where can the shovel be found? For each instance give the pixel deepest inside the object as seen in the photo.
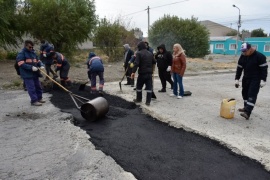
(153, 94)
(120, 85)
(82, 86)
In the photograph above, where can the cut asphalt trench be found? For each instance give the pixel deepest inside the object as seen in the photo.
(150, 149)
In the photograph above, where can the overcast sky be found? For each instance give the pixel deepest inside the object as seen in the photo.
(254, 13)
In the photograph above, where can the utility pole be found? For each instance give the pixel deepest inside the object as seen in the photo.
(238, 25)
(148, 12)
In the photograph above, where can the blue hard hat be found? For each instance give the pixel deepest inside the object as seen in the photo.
(91, 54)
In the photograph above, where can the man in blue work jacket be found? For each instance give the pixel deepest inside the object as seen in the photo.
(29, 65)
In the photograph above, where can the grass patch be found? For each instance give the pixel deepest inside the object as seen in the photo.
(3, 54)
(77, 65)
(13, 85)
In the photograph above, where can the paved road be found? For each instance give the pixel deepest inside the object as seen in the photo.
(200, 113)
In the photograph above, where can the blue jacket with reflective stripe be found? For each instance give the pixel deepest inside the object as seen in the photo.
(26, 60)
(95, 64)
(60, 61)
(46, 49)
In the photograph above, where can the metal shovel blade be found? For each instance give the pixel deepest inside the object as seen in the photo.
(153, 95)
(82, 86)
(120, 86)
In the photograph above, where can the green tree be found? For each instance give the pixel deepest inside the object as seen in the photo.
(10, 26)
(188, 32)
(110, 36)
(65, 23)
(244, 34)
(258, 33)
(232, 33)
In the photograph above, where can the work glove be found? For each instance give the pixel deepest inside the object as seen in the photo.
(263, 83)
(168, 69)
(131, 65)
(34, 68)
(44, 55)
(42, 67)
(237, 83)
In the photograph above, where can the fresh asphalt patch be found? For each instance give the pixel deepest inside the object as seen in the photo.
(150, 149)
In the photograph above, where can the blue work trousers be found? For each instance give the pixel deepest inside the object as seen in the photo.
(34, 88)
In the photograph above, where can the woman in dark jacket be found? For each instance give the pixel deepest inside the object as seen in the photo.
(164, 63)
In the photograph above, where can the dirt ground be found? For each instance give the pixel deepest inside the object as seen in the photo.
(113, 70)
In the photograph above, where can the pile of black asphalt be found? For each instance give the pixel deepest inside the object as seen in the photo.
(150, 149)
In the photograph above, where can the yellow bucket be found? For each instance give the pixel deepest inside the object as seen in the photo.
(227, 108)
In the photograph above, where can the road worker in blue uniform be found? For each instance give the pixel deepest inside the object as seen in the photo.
(63, 66)
(254, 65)
(95, 68)
(45, 55)
(127, 56)
(29, 65)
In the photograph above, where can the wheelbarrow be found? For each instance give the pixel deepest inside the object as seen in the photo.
(91, 110)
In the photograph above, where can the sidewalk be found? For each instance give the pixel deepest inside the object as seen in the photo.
(199, 113)
(41, 143)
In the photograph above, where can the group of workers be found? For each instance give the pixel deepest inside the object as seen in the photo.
(171, 68)
(31, 67)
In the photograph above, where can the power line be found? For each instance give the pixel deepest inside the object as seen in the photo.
(225, 23)
(168, 4)
(134, 13)
(154, 8)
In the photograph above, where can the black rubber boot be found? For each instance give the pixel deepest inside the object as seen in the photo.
(162, 90)
(241, 109)
(245, 115)
(139, 96)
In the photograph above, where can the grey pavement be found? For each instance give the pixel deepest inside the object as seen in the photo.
(41, 143)
(200, 113)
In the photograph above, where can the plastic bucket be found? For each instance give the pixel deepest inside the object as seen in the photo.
(227, 108)
(95, 109)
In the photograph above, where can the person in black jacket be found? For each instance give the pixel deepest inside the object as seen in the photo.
(255, 73)
(145, 62)
(128, 55)
(164, 63)
(148, 47)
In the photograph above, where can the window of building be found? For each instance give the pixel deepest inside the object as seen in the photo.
(267, 48)
(219, 46)
(255, 46)
(232, 46)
